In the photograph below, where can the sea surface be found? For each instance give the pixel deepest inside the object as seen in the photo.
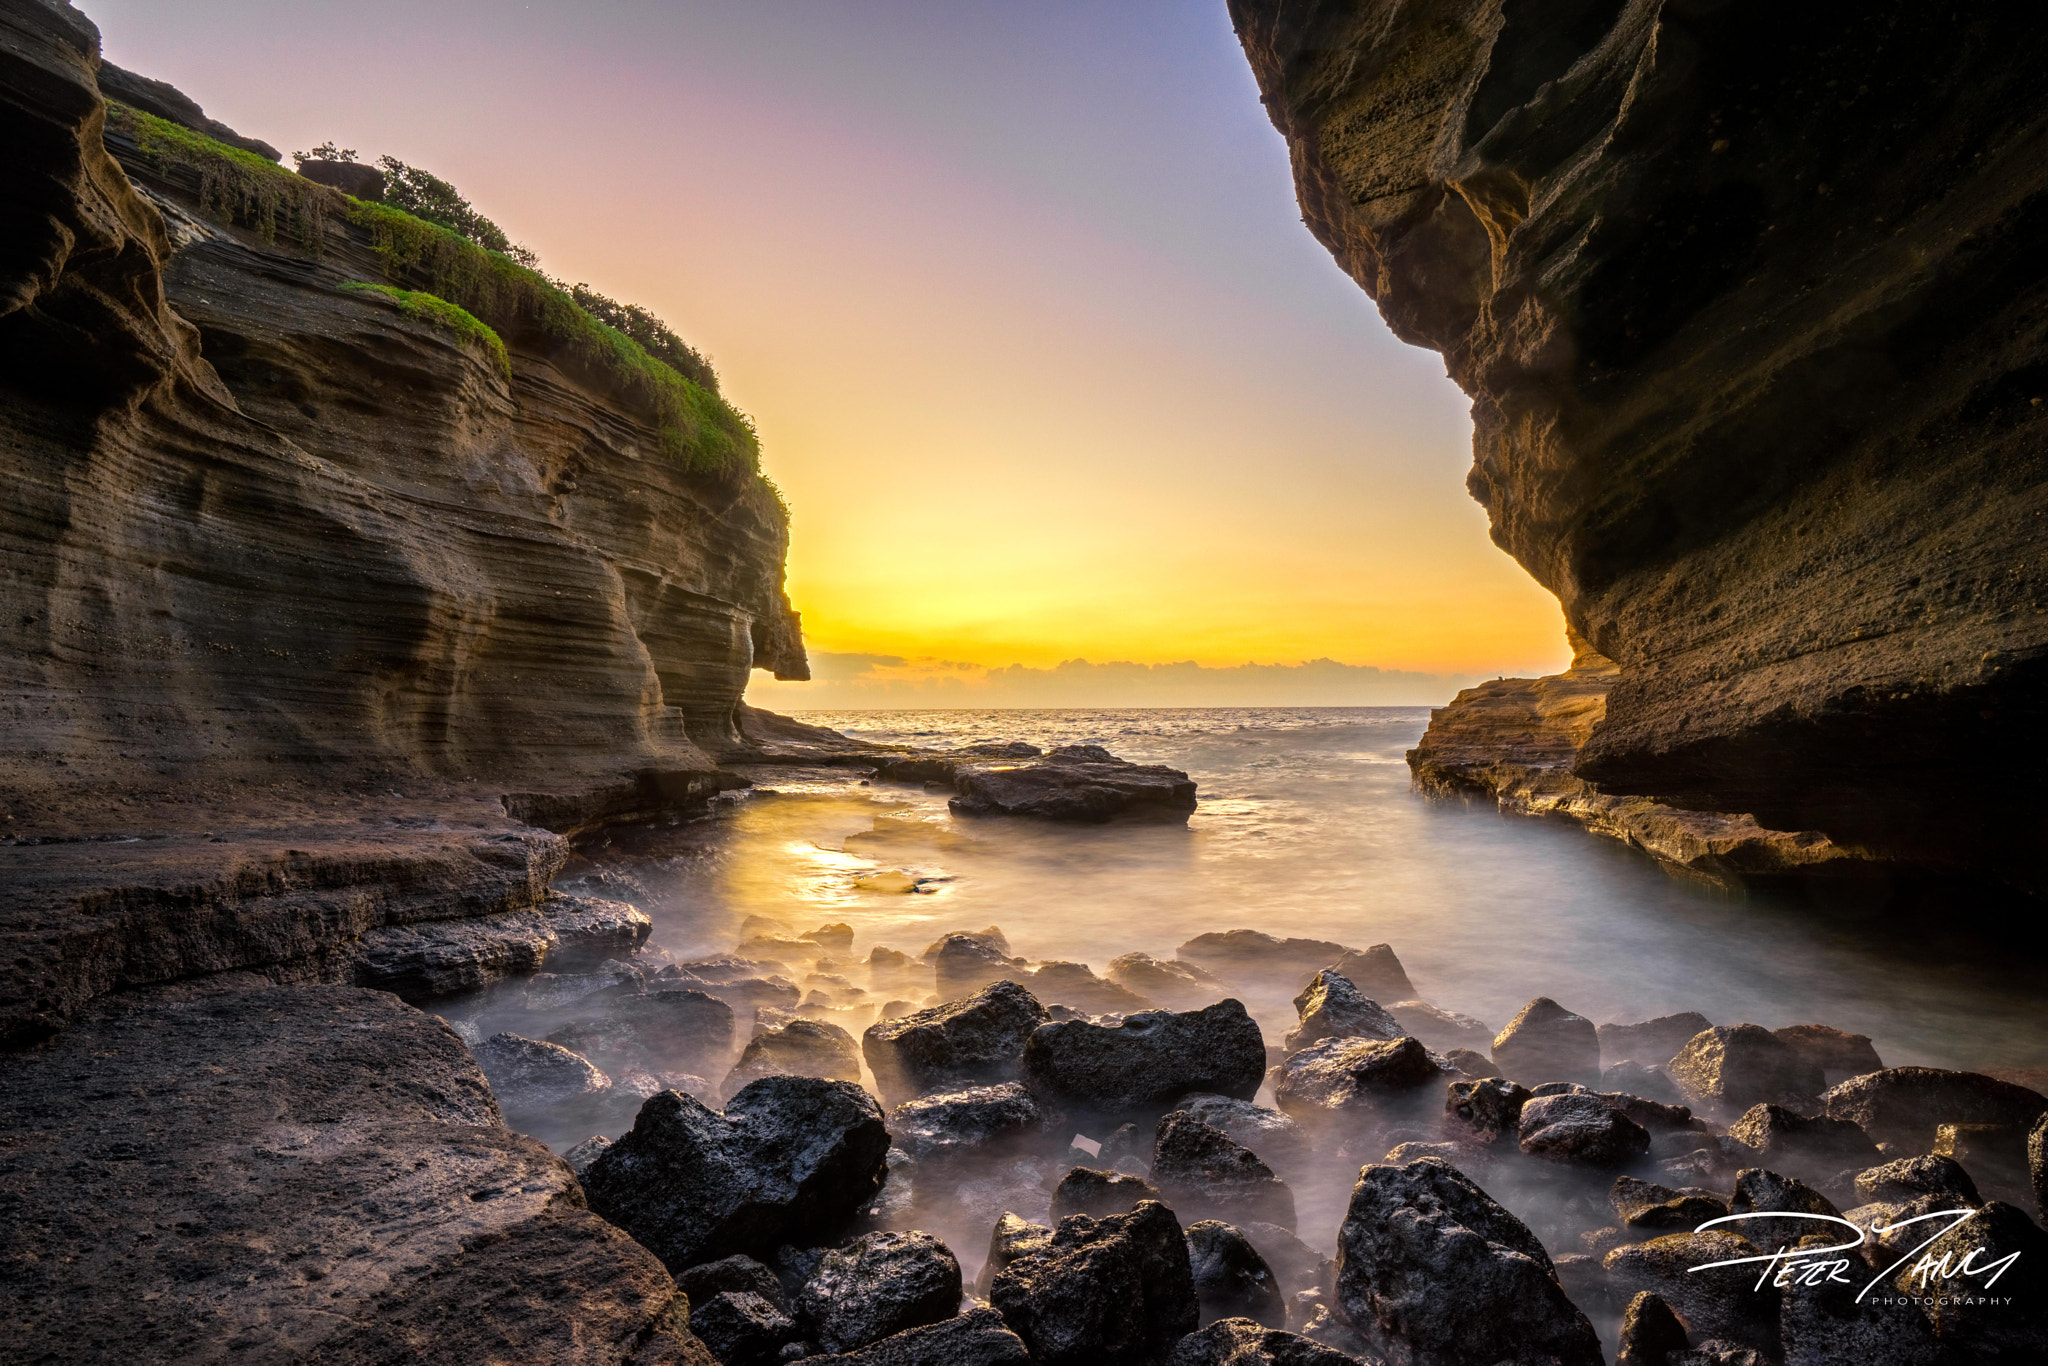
(1309, 826)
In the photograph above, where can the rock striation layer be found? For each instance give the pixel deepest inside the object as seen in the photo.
(1751, 307)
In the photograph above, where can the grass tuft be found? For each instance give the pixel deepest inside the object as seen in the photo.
(414, 303)
(237, 187)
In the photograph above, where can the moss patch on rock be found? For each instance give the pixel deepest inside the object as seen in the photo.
(416, 303)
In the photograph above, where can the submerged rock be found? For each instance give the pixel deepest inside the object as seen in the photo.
(977, 1040)
(1278, 1139)
(1729, 1068)
(876, 1286)
(1437, 1270)
(1581, 1129)
(1907, 1105)
(789, 1157)
(529, 1075)
(1837, 1054)
(1330, 1007)
(1231, 1279)
(1079, 783)
(1148, 1061)
(1098, 1194)
(1441, 1030)
(973, 1123)
(1651, 1043)
(801, 1048)
(1546, 1042)
(1172, 983)
(1342, 1075)
(1202, 1174)
(661, 1031)
(1077, 986)
(1101, 1290)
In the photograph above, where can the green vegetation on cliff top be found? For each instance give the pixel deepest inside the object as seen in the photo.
(479, 293)
(416, 303)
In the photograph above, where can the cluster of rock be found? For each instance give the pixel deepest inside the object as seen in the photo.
(1507, 1203)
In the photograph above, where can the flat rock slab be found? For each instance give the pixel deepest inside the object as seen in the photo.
(297, 1173)
(1080, 783)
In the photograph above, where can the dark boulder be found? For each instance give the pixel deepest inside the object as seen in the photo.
(1376, 972)
(1727, 1069)
(1837, 1054)
(1651, 1082)
(1832, 1323)
(789, 1157)
(977, 1040)
(1231, 1279)
(742, 1328)
(1098, 1194)
(971, 1124)
(1203, 1174)
(1295, 1264)
(1441, 1030)
(1546, 1042)
(993, 937)
(1245, 1342)
(1651, 1042)
(1330, 1007)
(1906, 1105)
(1472, 1063)
(528, 1075)
(1432, 1267)
(800, 1048)
(1650, 1332)
(1908, 1177)
(2037, 1163)
(1147, 1062)
(1581, 1129)
(1339, 1076)
(1725, 1302)
(965, 963)
(976, 1338)
(1995, 1156)
(1172, 983)
(1075, 985)
(1485, 1111)
(1972, 1320)
(876, 1286)
(1118, 1289)
(1079, 783)
(1012, 1238)
(1814, 1148)
(738, 1273)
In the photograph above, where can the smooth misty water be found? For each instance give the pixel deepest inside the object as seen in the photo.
(1308, 826)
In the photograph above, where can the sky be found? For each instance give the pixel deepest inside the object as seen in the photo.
(1017, 295)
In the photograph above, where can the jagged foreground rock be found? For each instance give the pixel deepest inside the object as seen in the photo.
(1753, 362)
(157, 1205)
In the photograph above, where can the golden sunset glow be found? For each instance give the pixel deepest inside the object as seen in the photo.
(1039, 350)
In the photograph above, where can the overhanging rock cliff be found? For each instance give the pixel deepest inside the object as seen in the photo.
(1750, 301)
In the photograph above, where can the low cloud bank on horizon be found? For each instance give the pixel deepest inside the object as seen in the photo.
(855, 682)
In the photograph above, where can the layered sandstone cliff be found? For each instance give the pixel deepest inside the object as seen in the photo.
(1750, 302)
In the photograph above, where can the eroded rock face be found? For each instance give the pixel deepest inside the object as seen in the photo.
(1434, 1270)
(790, 1157)
(1148, 1061)
(980, 1039)
(137, 1216)
(1752, 507)
(1114, 1289)
(877, 1286)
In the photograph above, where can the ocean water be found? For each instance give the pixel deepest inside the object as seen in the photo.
(1308, 825)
